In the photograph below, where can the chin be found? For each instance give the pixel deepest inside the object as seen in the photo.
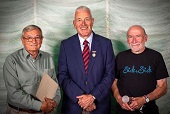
(34, 49)
(136, 50)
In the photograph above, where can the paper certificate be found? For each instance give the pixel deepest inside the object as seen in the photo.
(47, 87)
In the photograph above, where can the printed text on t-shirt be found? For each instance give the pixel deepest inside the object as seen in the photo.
(141, 70)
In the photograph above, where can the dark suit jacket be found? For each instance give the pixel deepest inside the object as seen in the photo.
(97, 81)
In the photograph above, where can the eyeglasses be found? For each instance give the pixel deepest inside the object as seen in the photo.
(30, 39)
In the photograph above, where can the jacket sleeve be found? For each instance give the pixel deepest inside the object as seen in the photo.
(103, 88)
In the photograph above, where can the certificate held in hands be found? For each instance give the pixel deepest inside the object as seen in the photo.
(47, 87)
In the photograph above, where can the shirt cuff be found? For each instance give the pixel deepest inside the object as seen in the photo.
(37, 105)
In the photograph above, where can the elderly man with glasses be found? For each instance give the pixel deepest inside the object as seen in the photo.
(22, 73)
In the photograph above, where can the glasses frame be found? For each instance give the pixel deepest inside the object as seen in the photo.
(30, 39)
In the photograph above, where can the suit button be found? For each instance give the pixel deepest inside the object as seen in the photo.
(86, 82)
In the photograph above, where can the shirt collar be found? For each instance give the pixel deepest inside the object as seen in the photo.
(27, 55)
(89, 39)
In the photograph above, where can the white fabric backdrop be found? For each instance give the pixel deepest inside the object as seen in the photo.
(112, 19)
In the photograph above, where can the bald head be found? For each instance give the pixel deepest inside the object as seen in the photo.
(136, 27)
(136, 38)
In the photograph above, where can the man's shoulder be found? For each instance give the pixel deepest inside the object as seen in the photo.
(14, 55)
(44, 53)
(124, 52)
(152, 51)
(71, 38)
(101, 38)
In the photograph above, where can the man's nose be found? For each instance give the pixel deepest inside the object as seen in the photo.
(84, 22)
(134, 40)
(33, 40)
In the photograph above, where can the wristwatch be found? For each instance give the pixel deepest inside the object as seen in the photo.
(146, 98)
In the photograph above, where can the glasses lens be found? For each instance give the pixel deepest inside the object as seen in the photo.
(30, 39)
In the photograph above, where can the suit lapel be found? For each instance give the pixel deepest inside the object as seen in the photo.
(78, 52)
(94, 49)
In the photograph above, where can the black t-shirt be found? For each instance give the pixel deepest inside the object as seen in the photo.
(137, 74)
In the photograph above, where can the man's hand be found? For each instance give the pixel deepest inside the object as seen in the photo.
(85, 100)
(124, 106)
(137, 102)
(48, 105)
(91, 107)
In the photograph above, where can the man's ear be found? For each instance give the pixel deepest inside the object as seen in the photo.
(146, 37)
(74, 23)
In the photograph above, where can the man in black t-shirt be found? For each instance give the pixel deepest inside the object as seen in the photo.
(140, 74)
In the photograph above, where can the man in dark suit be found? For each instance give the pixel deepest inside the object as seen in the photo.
(86, 68)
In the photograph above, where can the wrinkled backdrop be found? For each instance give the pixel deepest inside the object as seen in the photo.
(112, 19)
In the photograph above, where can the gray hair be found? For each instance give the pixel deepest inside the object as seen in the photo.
(31, 27)
(83, 8)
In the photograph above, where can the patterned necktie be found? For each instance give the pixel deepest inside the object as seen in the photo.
(86, 55)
